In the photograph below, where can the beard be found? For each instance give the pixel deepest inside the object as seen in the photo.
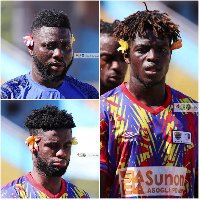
(51, 170)
(45, 70)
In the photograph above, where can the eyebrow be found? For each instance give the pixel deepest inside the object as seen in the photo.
(148, 45)
(68, 142)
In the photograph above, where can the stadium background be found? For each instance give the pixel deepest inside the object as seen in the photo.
(183, 70)
(16, 158)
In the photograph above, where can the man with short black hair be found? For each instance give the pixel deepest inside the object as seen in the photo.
(50, 47)
(50, 143)
(148, 149)
(112, 64)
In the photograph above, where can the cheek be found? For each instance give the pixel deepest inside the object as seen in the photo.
(69, 55)
(42, 54)
(103, 69)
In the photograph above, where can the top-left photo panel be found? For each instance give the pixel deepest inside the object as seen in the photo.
(49, 50)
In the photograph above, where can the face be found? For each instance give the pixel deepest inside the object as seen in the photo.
(149, 59)
(112, 64)
(54, 152)
(52, 52)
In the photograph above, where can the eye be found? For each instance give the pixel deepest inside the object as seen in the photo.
(67, 146)
(52, 145)
(163, 49)
(143, 50)
(107, 59)
(50, 46)
(66, 46)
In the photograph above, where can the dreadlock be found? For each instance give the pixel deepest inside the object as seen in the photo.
(139, 22)
(108, 28)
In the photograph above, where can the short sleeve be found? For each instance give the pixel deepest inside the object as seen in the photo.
(104, 131)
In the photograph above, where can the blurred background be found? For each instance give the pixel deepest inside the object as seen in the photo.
(16, 20)
(15, 155)
(183, 70)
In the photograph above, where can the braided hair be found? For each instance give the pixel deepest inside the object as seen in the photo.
(139, 22)
(108, 28)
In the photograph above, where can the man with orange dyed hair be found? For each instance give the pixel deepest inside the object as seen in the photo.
(149, 140)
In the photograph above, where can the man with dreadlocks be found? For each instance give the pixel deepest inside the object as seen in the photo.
(147, 148)
(50, 47)
(50, 143)
(112, 64)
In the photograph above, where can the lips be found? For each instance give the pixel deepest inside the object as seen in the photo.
(60, 163)
(57, 66)
(152, 69)
(116, 76)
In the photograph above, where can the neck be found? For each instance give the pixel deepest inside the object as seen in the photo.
(37, 77)
(104, 89)
(152, 97)
(52, 184)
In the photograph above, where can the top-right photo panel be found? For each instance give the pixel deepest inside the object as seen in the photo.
(149, 99)
(183, 68)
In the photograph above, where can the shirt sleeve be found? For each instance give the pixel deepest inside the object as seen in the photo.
(9, 192)
(104, 131)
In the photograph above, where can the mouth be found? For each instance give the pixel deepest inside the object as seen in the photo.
(116, 76)
(152, 69)
(60, 163)
(57, 68)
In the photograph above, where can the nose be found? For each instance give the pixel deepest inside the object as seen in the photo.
(58, 53)
(115, 65)
(152, 55)
(61, 153)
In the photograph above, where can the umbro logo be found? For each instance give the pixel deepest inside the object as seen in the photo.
(129, 136)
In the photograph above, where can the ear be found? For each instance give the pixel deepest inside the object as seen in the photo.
(30, 49)
(127, 57)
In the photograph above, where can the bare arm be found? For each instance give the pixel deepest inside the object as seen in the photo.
(103, 177)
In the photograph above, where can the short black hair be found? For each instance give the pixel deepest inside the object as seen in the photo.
(139, 22)
(108, 28)
(50, 18)
(48, 118)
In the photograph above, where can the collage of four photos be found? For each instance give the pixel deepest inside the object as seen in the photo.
(99, 99)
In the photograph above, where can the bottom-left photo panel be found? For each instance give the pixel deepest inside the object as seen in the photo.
(50, 149)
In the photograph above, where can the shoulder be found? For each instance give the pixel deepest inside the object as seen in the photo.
(11, 190)
(112, 94)
(179, 96)
(87, 89)
(12, 89)
(75, 192)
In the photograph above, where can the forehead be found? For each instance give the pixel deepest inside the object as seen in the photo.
(52, 34)
(150, 39)
(58, 135)
(108, 43)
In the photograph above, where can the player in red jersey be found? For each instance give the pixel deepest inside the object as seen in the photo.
(148, 149)
(50, 143)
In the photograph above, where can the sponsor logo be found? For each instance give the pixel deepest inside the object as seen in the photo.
(129, 136)
(87, 155)
(86, 55)
(152, 181)
(185, 107)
